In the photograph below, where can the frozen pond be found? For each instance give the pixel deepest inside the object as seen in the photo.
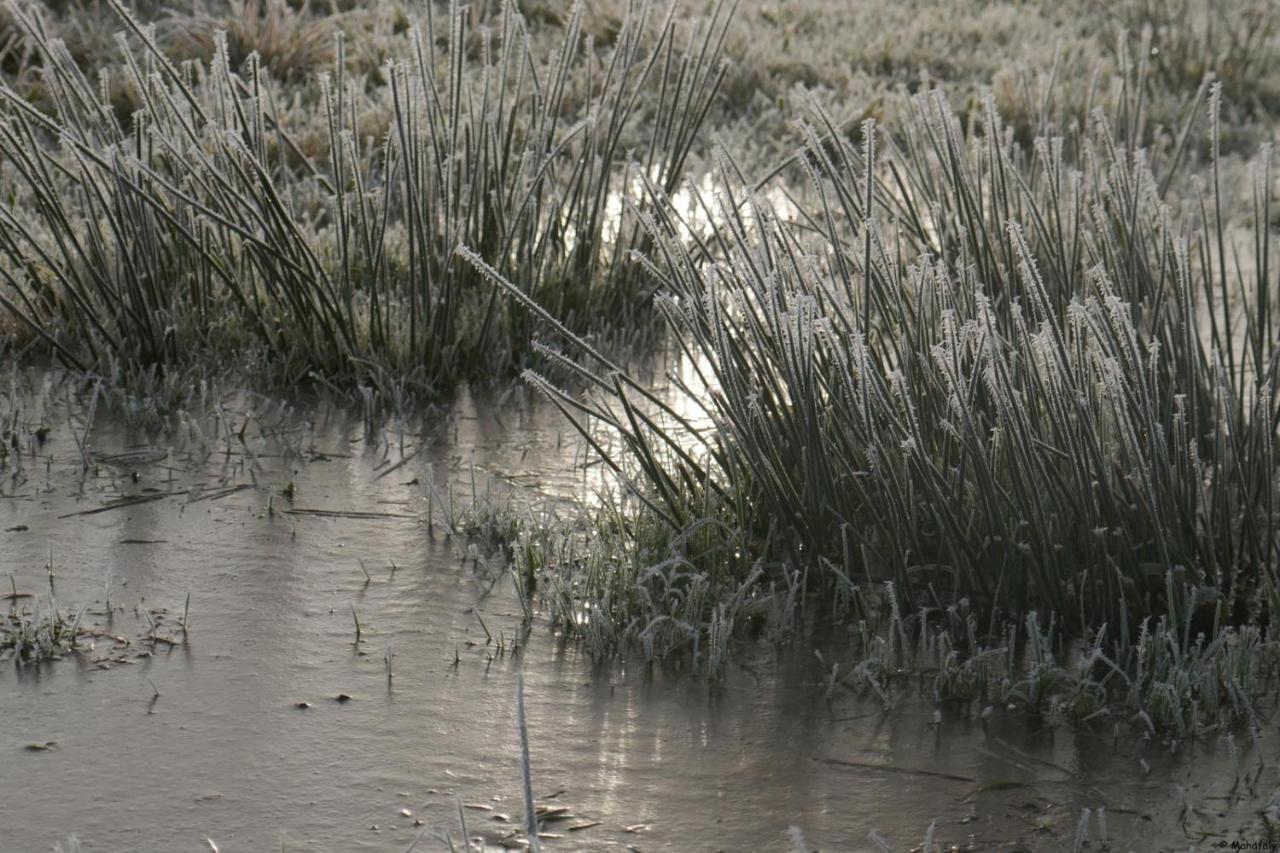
(146, 745)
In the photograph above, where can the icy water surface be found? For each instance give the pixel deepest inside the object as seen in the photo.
(250, 743)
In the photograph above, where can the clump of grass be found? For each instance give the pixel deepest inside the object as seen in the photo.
(292, 42)
(493, 519)
(617, 581)
(977, 372)
(201, 230)
(1166, 680)
(1023, 395)
(35, 633)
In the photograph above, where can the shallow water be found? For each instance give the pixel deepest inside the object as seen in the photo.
(641, 758)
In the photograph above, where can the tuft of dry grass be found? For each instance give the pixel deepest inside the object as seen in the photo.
(293, 43)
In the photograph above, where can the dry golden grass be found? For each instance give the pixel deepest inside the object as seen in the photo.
(293, 43)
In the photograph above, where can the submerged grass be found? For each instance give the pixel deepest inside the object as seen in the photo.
(33, 633)
(1165, 682)
(623, 583)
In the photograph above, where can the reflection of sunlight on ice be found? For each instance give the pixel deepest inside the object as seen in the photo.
(697, 207)
(687, 419)
(904, 197)
(691, 203)
(694, 210)
(690, 396)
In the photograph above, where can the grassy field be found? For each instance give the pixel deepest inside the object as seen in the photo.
(209, 213)
(299, 176)
(981, 294)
